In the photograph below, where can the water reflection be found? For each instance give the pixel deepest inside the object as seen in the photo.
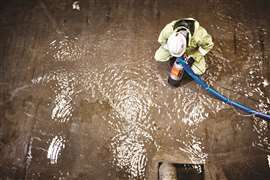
(76, 5)
(64, 91)
(131, 104)
(194, 111)
(62, 104)
(54, 151)
(262, 141)
(249, 78)
(268, 158)
(146, 113)
(64, 49)
(195, 149)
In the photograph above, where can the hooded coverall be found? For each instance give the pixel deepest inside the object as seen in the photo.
(199, 42)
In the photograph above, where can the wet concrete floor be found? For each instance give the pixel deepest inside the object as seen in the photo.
(81, 96)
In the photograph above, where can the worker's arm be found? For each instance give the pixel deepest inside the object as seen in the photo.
(165, 33)
(204, 42)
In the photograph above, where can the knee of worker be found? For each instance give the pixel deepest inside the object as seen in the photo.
(162, 55)
(199, 68)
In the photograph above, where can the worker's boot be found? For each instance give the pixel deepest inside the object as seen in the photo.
(167, 171)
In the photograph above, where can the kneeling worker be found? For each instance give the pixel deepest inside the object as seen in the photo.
(185, 37)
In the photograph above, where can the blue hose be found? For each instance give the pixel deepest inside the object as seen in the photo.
(218, 95)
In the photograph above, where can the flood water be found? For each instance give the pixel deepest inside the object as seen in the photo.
(81, 96)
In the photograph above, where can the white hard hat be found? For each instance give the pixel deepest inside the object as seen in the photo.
(176, 44)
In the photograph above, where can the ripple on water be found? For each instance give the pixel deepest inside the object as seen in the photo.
(63, 87)
(62, 109)
(56, 146)
(62, 84)
(262, 140)
(64, 49)
(249, 77)
(133, 91)
(128, 92)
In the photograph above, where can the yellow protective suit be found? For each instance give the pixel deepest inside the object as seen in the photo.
(199, 42)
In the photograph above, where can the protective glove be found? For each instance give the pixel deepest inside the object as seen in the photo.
(190, 61)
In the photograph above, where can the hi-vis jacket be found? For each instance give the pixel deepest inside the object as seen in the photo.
(199, 42)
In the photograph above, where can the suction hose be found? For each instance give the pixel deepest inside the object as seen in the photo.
(218, 95)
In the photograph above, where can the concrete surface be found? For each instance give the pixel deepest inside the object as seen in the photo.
(81, 96)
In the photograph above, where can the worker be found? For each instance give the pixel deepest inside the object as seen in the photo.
(185, 37)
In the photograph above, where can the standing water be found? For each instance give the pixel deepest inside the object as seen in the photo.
(82, 97)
